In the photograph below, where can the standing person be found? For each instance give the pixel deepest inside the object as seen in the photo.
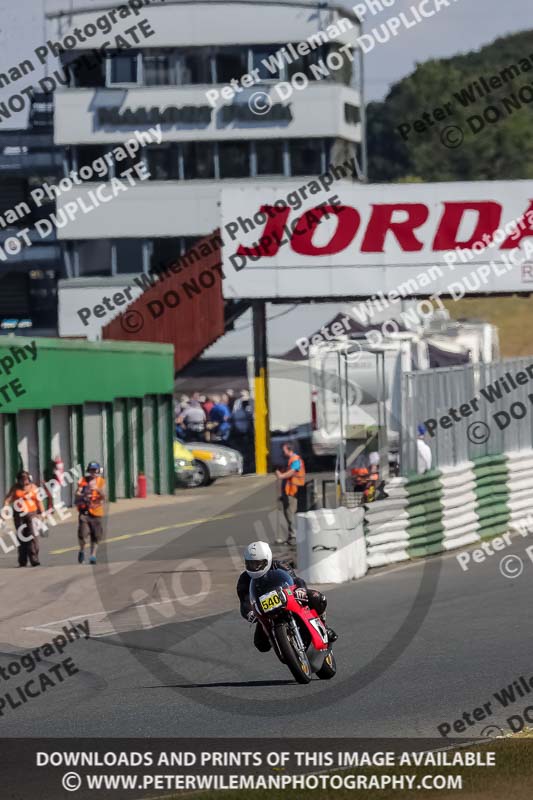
(26, 507)
(293, 478)
(241, 417)
(193, 421)
(242, 429)
(219, 416)
(424, 456)
(207, 404)
(369, 494)
(90, 499)
(229, 394)
(179, 410)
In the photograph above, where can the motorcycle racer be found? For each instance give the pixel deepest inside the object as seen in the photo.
(258, 560)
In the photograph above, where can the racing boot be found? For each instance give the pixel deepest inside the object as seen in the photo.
(332, 636)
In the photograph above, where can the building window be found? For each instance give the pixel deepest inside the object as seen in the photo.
(126, 163)
(306, 156)
(198, 160)
(164, 252)
(234, 159)
(266, 54)
(231, 63)
(93, 257)
(163, 162)
(128, 256)
(123, 68)
(194, 68)
(87, 70)
(304, 62)
(346, 73)
(158, 69)
(188, 242)
(87, 155)
(269, 157)
(351, 114)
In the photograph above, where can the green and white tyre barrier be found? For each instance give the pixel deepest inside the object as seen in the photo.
(423, 515)
(520, 488)
(450, 508)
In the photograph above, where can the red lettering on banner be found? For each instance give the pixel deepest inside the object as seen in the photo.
(299, 234)
(512, 240)
(269, 242)
(381, 223)
(489, 214)
(348, 220)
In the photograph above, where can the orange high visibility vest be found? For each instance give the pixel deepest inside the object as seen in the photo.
(292, 484)
(95, 505)
(29, 496)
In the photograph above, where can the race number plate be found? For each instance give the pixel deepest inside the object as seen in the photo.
(270, 601)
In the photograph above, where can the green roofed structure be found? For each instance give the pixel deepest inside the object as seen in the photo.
(79, 401)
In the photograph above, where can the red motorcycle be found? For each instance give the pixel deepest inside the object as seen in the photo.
(296, 632)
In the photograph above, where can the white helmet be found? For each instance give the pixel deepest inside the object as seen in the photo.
(257, 559)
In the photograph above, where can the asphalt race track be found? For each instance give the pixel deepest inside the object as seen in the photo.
(418, 644)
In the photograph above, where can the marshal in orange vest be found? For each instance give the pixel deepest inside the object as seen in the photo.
(91, 501)
(293, 483)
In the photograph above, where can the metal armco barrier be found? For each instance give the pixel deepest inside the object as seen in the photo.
(473, 410)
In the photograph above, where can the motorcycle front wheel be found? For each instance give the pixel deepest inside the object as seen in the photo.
(297, 662)
(328, 669)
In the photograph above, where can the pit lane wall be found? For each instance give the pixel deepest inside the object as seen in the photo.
(423, 515)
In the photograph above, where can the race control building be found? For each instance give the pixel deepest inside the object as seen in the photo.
(179, 76)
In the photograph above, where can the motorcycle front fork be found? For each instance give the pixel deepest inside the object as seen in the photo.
(297, 636)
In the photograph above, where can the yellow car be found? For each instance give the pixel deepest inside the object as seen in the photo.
(209, 462)
(184, 466)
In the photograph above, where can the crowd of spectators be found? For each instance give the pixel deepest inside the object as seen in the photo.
(222, 418)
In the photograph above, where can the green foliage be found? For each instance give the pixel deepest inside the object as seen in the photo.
(501, 150)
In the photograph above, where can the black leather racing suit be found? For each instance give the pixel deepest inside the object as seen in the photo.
(316, 600)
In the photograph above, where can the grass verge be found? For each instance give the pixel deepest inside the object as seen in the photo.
(512, 776)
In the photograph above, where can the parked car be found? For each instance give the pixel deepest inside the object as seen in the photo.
(209, 462)
(184, 466)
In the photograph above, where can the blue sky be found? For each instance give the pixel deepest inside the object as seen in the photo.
(465, 25)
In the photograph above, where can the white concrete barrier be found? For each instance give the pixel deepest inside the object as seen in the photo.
(331, 545)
